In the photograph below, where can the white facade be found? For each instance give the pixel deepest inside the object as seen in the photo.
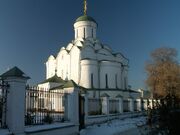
(88, 62)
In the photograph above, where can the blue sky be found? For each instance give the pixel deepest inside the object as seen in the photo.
(31, 30)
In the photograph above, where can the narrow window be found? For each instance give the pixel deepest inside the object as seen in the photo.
(92, 85)
(106, 81)
(84, 32)
(125, 83)
(116, 80)
(122, 82)
(92, 33)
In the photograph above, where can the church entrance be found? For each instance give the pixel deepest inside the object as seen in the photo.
(81, 112)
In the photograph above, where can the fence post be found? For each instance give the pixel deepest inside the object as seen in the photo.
(15, 100)
(145, 104)
(131, 104)
(151, 103)
(139, 104)
(86, 105)
(73, 106)
(105, 103)
(120, 99)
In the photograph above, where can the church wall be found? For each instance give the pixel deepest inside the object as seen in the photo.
(126, 77)
(84, 29)
(106, 73)
(124, 80)
(118, 75)
(113, 72)
(122, 77)
(63, 64)
(75, 64)
(89, 74)
(50, 67)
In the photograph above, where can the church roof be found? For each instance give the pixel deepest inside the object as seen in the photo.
(54, 79)
(70, 83)
(14, 72)
(67, 84)
(85, 18)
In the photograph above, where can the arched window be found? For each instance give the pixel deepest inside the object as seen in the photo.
(106, 79)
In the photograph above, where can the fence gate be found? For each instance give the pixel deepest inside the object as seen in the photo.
(81, 112)
(3, 100)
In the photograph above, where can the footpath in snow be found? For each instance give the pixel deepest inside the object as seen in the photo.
(128, 126)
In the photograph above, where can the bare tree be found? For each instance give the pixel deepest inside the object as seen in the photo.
(163, 73)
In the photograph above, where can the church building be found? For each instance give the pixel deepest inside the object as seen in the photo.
(88, 63)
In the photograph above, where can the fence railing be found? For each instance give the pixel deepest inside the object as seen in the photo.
(44, 106)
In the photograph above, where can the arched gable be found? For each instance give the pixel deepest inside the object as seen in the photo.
(88, 52)
(69, 46)
(97, 46)
(88, 43)
(120, 58)
(51, 57)
(107, 48)
(50, 66)
(62, 52)
(104, 52)
(79, 44)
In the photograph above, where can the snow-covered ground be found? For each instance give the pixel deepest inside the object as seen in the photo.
(128, 126)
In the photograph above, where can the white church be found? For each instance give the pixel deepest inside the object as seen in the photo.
(88, 63)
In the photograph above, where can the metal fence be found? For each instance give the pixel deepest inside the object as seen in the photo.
(94, 106)
(44, 106)
(3, 100)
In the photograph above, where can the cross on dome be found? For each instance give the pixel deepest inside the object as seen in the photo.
(85, 7)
